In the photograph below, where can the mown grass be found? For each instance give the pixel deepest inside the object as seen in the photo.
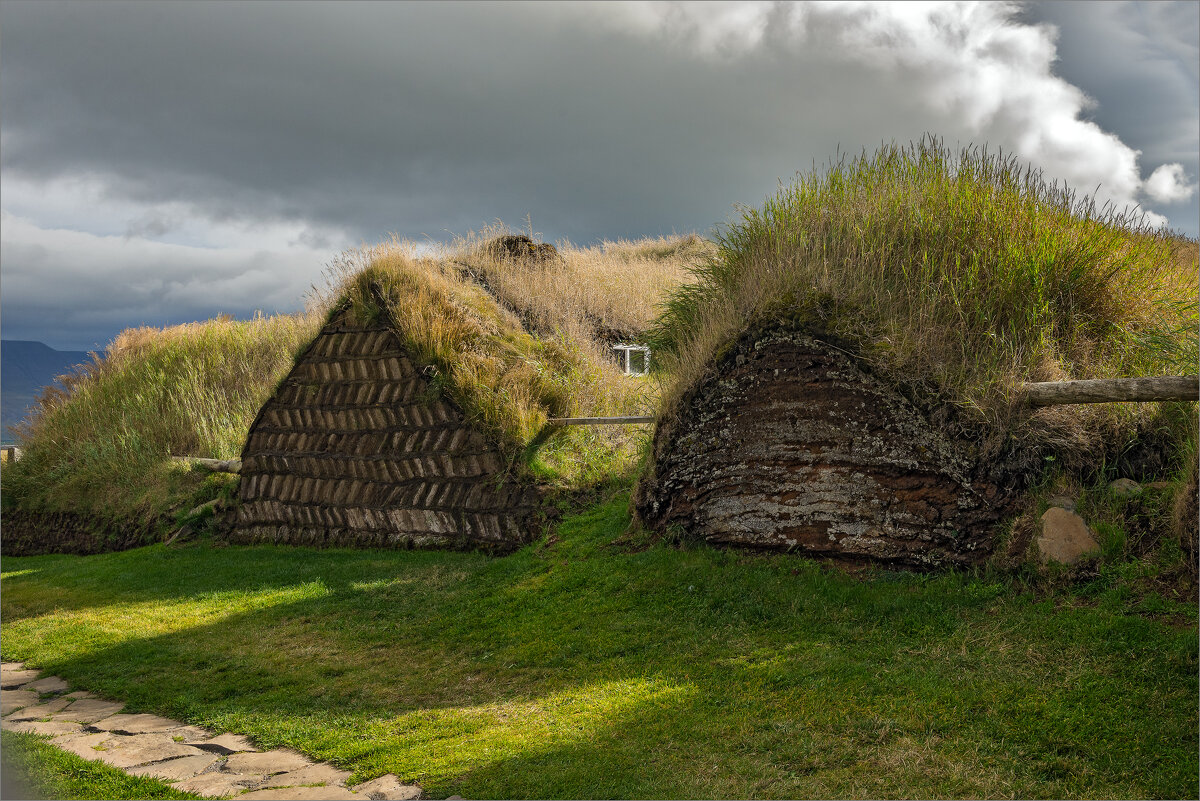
(102, 446)
(595, 664)
(957, 276)
(35, 769)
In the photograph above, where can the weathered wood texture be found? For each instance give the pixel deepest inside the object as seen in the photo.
(1108, 390)
(788, 444)
(355, 449)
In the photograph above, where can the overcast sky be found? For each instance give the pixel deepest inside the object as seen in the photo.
(166, 162)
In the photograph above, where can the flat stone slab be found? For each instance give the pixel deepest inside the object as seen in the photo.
(136, 724)
(89, 710)
(12, 679)
(138, 749)
(79, 694)
(42, 726)
(267, 762)
(223, 744)
(82, 744)
(388, 787)
(39, 711)
(313, 774)
(16, 699)
(302, 793)
(176, 769)
(11, 666)
(50, 684)
(216, 783)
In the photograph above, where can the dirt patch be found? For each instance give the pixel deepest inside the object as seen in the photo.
(522, 248)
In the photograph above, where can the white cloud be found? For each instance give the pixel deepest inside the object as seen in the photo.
(975, 68)
(1169, 184)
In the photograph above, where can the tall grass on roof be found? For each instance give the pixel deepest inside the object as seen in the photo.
(507, 380)
(609, 290)
(960, 276)
(103, 445)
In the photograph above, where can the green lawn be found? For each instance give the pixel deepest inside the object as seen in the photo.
(578, 669)
(39, 770)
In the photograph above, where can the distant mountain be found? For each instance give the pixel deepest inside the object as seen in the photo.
(25, 368)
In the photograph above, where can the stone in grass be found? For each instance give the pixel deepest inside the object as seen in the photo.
(39, 711)
(388, 787)
(1124, 487)
(313, 774)
(50, 684)
(12, 679)
(138, 749)
(1065, 538)
(89, 710)
(266, 762)
(301, 794)
(12, 666)
(136, 724)
(226, 743)
(11, 700)
(43, 727)
(83, 745)
(176, 769)
(216, 784)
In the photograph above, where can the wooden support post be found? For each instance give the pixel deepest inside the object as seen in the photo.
(215, 465)
(1108, 390)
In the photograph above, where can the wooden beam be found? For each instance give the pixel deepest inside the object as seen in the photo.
(1108, 390)
(597, 421)
(215, 465)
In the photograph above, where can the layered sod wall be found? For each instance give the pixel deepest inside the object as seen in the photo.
(788, 443)
(358, 447)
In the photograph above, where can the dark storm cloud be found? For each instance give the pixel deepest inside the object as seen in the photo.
(383, 117)
(221, 149)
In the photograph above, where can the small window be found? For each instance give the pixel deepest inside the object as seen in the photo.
(634, 359)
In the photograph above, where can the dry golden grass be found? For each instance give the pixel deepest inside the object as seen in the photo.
(517, 341)
(960, 277)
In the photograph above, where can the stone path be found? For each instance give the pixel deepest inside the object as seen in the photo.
(193, 759)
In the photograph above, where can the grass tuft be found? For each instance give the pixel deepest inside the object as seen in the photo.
(960, 277)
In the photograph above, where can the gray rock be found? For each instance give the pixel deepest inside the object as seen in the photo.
(50, 684)
(302, 794)
(12, 679)
(313, 774)
(81, 744)
(1062, 502)
(138, 749)
(224, 744)
(89, 710)
(39, 711)
(388, 787)
(1124, 487)
(215, 784)
(136, 724)
(1065, 538)
(176, 769)
(43, 727)
(16, 699)
(7, 666)
(266, 762)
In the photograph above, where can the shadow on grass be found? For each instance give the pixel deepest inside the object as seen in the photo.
(573, 671)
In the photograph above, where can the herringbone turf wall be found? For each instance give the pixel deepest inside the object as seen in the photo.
(354, 449)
